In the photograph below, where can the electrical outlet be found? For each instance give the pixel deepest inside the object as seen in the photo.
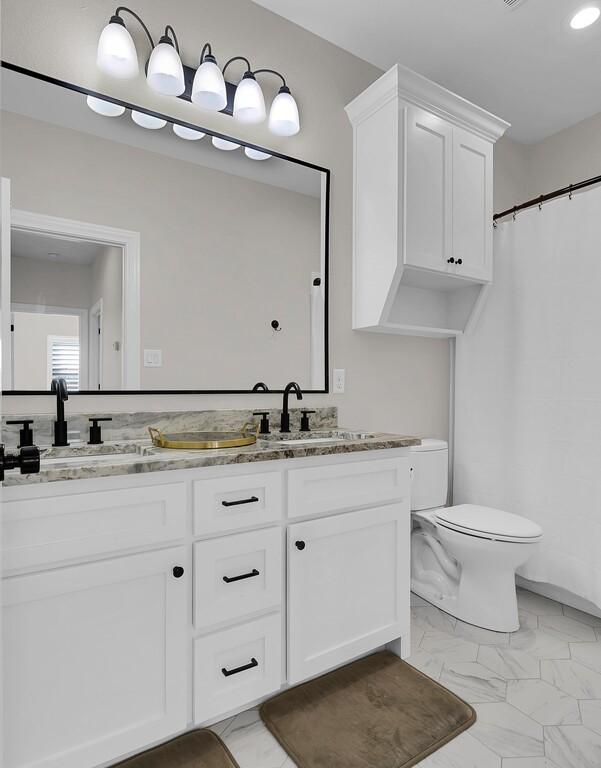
(339, 381)
(153, 358)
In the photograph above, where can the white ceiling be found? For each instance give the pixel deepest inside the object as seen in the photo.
(524, 64)
(35, 245)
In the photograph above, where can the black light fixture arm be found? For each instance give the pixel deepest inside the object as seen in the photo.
(206, 49)
(237, 58)
(272, 72)
(123, 8)
(169, 29)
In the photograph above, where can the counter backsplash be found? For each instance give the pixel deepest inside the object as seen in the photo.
(134, 426)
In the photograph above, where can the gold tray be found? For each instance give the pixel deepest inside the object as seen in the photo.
(204, 440)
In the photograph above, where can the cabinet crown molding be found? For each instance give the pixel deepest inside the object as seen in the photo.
(404, 83)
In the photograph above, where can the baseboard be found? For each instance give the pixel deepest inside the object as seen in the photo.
(559, 594)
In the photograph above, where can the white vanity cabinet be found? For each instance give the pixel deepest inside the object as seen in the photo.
(95, 659)
(423, 206)
(346, 593)
(137, 607)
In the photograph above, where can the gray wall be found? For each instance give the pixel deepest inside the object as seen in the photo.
(394, 383)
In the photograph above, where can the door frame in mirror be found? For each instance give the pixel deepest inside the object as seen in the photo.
(129, 243)
(134, 390)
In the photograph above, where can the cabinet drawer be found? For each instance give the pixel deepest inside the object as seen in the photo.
(316, 490)
(41, 531)
(237, 575)
(228, 503)
(237, 666)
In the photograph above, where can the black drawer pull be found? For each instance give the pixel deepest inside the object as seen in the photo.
(252, 500)
(229, 579)
(227, 672)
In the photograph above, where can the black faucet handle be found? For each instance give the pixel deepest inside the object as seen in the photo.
(25, 433)
(304, 426)
(96, 430)
(264, 430)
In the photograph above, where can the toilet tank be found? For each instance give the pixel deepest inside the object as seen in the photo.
(430, 476)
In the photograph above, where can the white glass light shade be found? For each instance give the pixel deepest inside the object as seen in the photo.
(283, 115)
(147, 121)
(187, 133)
(256, 154)
(249, 104)
(116, 54)
(165, 71)
(208, 88)
(103, 107)
(224, 144)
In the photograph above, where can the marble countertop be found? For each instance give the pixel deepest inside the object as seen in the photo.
(82, 462)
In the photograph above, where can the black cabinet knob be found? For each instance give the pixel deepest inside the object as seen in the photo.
(459, 261)
(300, 545)
(178, 571)
(451, 260)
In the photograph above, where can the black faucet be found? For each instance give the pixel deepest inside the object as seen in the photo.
(291, 387)
(60, 425)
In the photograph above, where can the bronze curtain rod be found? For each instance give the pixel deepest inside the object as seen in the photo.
(545, 198)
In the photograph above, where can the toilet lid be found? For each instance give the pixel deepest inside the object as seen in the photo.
(488, 522)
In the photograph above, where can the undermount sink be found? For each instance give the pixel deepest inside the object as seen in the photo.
(331, 436)
(303, 440)
(57, 458)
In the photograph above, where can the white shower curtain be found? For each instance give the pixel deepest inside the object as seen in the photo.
(528, 389)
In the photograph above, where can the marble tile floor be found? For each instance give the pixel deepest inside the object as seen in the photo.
(537, 692)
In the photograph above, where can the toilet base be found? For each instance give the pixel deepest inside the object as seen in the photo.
(476, 584)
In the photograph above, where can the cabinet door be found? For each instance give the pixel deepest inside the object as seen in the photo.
(95, 660)
(348, 587)
(472, 205)
(428, 191)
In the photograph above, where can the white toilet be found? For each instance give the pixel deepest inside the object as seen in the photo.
(464, 558)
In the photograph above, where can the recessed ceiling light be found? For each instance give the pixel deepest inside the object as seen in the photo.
(585, 17)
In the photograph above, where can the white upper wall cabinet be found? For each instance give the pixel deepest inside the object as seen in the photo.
(423, 187)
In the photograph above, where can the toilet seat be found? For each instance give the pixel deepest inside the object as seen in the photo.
(488, 523)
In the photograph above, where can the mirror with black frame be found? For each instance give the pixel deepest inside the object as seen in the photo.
(150, 255)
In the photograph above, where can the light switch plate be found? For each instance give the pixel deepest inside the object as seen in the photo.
(339, 374)
(153, 358)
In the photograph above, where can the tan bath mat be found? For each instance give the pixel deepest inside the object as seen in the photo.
(378, 712)
(196, 749)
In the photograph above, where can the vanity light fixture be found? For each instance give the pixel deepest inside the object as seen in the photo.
(256, 154)
(147, 121)
(585, 17)
(187, 133)
(116, 54)
(283, 115)
(166, 74)
(103, 107)
(208, 88)
(219, 143)
(249, 102)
